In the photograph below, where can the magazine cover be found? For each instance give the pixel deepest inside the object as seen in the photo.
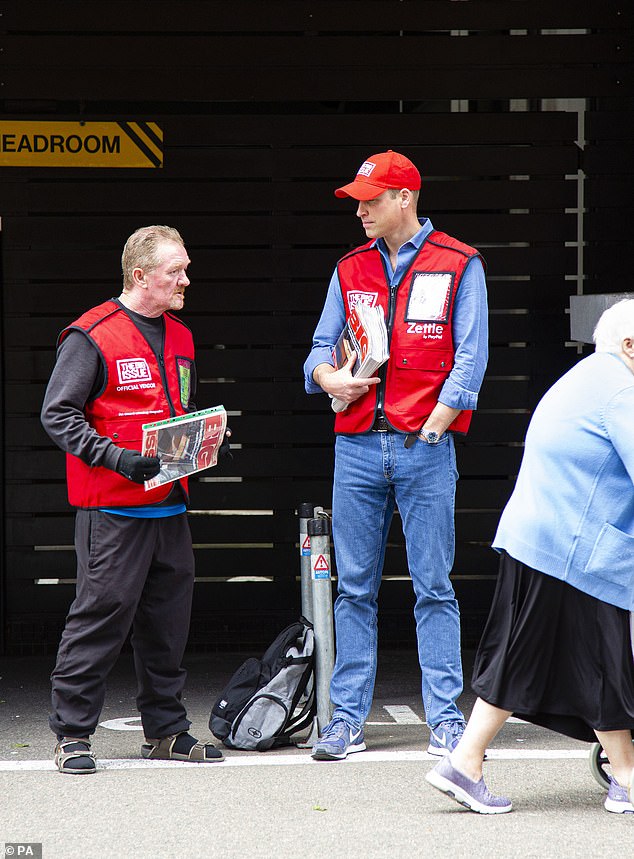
(185, 444)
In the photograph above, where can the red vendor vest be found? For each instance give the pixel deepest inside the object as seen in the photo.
(418, 314)
(136, 391)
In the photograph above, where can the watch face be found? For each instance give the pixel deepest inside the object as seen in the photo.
(432, 437)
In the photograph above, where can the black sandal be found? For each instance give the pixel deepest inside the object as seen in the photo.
(73, 756)
(163, 750)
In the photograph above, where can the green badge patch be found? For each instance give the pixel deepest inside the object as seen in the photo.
(185, 380)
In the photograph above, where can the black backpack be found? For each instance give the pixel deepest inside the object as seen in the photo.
(269, 699)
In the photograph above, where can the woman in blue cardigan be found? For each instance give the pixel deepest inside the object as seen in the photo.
(557, 647)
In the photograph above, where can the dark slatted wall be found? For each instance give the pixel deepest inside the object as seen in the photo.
(265, 108)
(609, 195)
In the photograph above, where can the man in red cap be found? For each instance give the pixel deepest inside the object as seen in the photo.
(394, 440)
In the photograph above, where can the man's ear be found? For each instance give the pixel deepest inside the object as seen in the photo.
(628, 346)
(406, 198)
(138, 278)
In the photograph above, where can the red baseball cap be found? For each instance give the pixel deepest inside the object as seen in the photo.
(380, 172)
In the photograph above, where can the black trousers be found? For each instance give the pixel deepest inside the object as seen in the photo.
(132, 574)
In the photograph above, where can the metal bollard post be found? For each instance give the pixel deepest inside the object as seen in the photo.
(319, 533)
(306, 511)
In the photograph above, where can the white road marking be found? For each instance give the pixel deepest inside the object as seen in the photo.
(248, 759)
(402, 715)
(122, 724)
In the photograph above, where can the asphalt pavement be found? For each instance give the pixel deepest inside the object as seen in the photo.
(281, 804)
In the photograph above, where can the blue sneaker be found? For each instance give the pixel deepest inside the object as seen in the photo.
(474, 795)
(617, 801)
(337, 741)
(444, 737)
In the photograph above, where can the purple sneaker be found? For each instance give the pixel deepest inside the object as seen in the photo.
(474, 795)
(617, 801)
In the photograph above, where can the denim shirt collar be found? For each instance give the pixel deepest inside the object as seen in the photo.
(407, 251)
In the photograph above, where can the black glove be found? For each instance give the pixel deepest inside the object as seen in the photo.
(136, 467)
(225, 449)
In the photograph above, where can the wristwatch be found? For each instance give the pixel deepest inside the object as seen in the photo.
(430, 436)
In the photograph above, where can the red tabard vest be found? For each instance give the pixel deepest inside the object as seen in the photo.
(418, 317)
(137, 391)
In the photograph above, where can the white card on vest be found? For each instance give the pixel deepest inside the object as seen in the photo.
(429, 296)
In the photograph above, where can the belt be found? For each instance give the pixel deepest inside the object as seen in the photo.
(381, 425)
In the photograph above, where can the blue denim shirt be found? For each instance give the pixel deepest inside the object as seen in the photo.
(469, 328)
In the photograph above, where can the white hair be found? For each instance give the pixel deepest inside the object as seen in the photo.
(615, 324)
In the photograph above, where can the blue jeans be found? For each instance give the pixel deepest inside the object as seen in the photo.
(374, 473)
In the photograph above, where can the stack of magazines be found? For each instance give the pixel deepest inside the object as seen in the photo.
(366, 335)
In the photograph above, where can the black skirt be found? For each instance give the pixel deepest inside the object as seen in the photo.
(555, 656)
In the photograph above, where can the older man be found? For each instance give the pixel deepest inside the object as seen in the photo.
(121, 364)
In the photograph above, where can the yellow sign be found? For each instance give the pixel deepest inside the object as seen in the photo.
(80, 144)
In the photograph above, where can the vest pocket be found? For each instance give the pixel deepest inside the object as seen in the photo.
(415, 379)
(121, 432)
(429, 360)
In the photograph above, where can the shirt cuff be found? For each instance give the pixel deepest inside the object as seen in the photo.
(457, 398)
(320, 355)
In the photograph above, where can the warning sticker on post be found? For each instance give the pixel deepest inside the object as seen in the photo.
(321, 567)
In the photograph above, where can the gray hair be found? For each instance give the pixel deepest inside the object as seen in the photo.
(615, 324)
(141, 250)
